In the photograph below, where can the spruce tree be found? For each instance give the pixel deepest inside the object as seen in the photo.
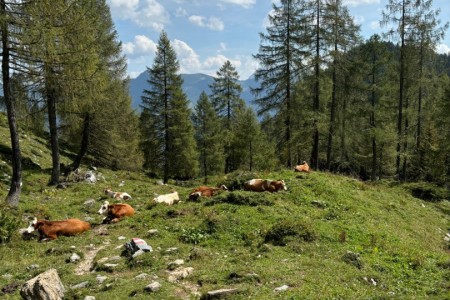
(208, 135)
(225, 95)
(166, 117)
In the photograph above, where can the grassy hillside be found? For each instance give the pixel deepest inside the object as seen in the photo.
(327, 237)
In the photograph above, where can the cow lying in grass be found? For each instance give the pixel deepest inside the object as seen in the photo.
(50, 230)
(114, 212)
(206, 191)
(303, 168)
(117, 195)
(262, 185)
(168, 199)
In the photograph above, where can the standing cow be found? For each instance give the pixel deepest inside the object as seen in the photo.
(262, 185)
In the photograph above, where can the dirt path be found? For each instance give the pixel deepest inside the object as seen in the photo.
(86, 265)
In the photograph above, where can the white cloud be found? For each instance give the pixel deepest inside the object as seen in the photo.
(181, 12)
(355, 3)
(141, 46)
(243, 3)
(189, 60)
(443, 49)
(375, 25)
(144, 13)
(212, 23)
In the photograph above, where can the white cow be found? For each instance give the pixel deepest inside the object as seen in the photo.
(169, 199)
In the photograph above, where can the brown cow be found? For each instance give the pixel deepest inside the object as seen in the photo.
(262, 185)
(117, 195)
(303, 168)
(114, 212)
(50, 230)
(206, 191)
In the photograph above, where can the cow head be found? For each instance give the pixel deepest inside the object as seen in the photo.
(195, 196)
(223, 187)
(283, 184)
(107, 191)
(104, 208)
(32, 226)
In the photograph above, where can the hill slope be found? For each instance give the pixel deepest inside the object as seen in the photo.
(327, 237)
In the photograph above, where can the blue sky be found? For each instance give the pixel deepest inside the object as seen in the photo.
(206, 33)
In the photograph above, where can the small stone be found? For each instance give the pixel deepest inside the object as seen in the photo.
(175, 264)
(172, 249)
(281, 288)
(33, 267)
(141, 276)
(89, 298)
(89, 202)
(74, 258)
(111, 265)
(121, 238)
(81, 285)
(178, 274)
(153, 287)
(219, 293)
(152, 231)
(101, 279)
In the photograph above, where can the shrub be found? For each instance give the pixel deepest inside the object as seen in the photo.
(192, 235)
(235, 180)
(247, 198)
(9, 223)
(279, 233)
(427, 191)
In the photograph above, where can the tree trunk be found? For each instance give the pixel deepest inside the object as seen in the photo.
(16, 181)
(84, 142)
(316, 101)
(400, 100)
(53, 126)
(332, 114)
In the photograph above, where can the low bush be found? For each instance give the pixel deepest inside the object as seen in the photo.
(9, 223)
(428, 192)
(243, 198)
(280, 233)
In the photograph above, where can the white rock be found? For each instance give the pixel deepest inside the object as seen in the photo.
(141, 276)
(74, 257)
(153, 287)
(281, 288)
(100, 279)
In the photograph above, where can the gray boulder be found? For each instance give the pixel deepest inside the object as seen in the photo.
(45, 286)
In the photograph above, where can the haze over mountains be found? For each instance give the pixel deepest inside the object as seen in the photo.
(193, 85)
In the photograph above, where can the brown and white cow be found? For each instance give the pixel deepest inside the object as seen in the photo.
(50, 230)
(117, 195)
(262, 185)
(114, 212)
(303, 168)
(206, 191)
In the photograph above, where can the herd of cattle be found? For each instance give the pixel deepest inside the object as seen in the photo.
(50, 230)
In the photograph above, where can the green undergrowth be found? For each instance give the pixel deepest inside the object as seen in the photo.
(326, 237)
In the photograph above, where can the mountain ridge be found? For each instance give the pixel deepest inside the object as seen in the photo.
(193, 86)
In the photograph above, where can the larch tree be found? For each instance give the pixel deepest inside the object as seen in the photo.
(343, 36)
(280, 58)
(165, 119)
(226, 96)
(208, 134)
